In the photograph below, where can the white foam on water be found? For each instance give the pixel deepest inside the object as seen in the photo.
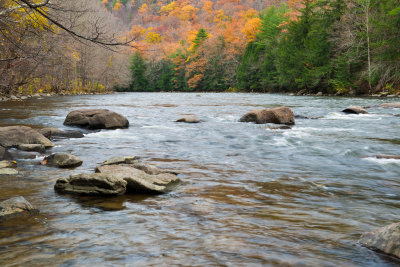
(118, 133)
(382, 161)
(281, 141)
(163, 127)
(344, 116)
(298, 133)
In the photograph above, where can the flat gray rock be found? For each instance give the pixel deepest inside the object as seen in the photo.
(13, 136)
(54, 133)
(8, 171)
(16, 207)
(32, 147)
(139, 181)
(391, 105)
(91, 184)
(120, 160)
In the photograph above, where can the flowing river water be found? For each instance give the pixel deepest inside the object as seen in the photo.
(251, 195)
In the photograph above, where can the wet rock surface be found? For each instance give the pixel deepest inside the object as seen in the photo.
(13, 136)
(62, 160)
(91, 184)
(32, 147)
(96, 119)
(8, 167)
(281, 115)
(16, 207)
(189, 119)
(355, 110)
(391, 105)
(54, 133)
(385, 239)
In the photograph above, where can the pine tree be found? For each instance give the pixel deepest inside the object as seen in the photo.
(138, 69)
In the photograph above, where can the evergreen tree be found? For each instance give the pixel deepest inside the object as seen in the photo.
(138, 69)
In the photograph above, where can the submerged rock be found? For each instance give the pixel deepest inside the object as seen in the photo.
(91, 184)
(385, 239)
(4, 154)
(32, 147)
(189, 119)
(8, 167)
(355, 110)
(13, 136)
(96, 119)
(281, 115)
(16, 207)
(62, 160)
(54, 133)
(391, 105)
(7, 164)
(388, 157)
(120, 160)
(307, 118)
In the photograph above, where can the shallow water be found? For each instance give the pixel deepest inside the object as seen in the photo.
(252, 196)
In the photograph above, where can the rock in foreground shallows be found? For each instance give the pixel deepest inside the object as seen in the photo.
(62, 160)
(96, 119)
(16, 207)
(355, 110)
(8, 167)
(281, 115)
(91, 184)
(142, 178)
(385, 239)
(13, 136)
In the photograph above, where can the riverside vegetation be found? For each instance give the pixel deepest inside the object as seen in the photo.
(298, 46)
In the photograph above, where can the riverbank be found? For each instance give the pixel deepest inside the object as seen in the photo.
(6, 97)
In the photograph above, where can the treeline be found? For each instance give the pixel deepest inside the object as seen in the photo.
(60, 46)
(329, 46)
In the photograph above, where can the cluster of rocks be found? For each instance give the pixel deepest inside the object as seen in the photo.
(118, 176)
(128, 175)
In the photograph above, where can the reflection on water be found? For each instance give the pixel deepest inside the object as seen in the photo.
(252, 196)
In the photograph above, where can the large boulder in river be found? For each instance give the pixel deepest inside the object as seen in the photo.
(62, 160)
(12, 136)
(91, 184)
(385, 239)
(54, 133)
(391, 105)
(142, 178)
(96, 119)
(16, 207)
(355, 110)
(281, 115)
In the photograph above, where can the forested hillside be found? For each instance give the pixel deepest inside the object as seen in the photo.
(60, 46)
(329, 46)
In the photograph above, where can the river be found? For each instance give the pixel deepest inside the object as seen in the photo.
(251, 195)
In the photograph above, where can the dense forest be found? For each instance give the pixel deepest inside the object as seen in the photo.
(329, 46)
